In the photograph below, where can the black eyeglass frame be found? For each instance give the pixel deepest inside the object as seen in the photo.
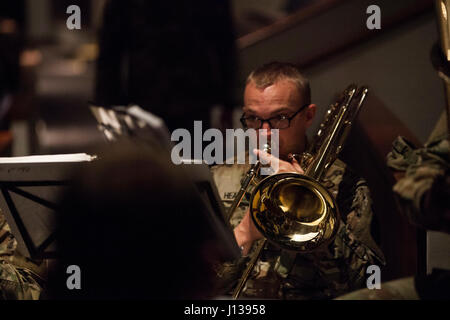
(243, 119)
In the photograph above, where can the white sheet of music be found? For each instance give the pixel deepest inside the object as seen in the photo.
(74, 157)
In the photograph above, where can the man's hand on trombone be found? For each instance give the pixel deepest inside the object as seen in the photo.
(245, 232)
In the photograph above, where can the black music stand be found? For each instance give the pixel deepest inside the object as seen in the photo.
(201, 176)
(30, 190)
(135, 123)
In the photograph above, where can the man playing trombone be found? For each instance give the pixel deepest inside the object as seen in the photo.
(277, 96)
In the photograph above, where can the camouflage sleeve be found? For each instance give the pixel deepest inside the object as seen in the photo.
(425, 184)
(354, 245)
(8, 243)
(17, 281)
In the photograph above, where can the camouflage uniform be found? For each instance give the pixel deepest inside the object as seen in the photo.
(19, 277)
(340, 268)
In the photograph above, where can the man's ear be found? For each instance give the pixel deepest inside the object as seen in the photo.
(310, 112)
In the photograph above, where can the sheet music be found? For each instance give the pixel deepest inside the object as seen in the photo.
(74, 157)
(30, 189)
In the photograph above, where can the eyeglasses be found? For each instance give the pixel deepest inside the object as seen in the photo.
(277, 122)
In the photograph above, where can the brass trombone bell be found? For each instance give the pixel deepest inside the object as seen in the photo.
(295, 212)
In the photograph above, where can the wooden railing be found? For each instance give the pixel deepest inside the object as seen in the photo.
(321, 30)
(286, 23)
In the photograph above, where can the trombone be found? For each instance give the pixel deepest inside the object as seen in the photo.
(295, 211)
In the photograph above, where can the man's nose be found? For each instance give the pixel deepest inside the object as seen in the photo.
(265, 129)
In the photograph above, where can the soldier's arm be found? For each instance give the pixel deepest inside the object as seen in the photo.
(422, 174)
(354, 241)
(246, 234)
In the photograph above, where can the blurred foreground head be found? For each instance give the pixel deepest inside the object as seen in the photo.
(137, 230)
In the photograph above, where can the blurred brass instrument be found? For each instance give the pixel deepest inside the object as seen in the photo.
(440, 53)
(295, 211)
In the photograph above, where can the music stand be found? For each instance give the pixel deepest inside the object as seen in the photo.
(131, 122)
(30, 190)
(201, 176)
(135, 123)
